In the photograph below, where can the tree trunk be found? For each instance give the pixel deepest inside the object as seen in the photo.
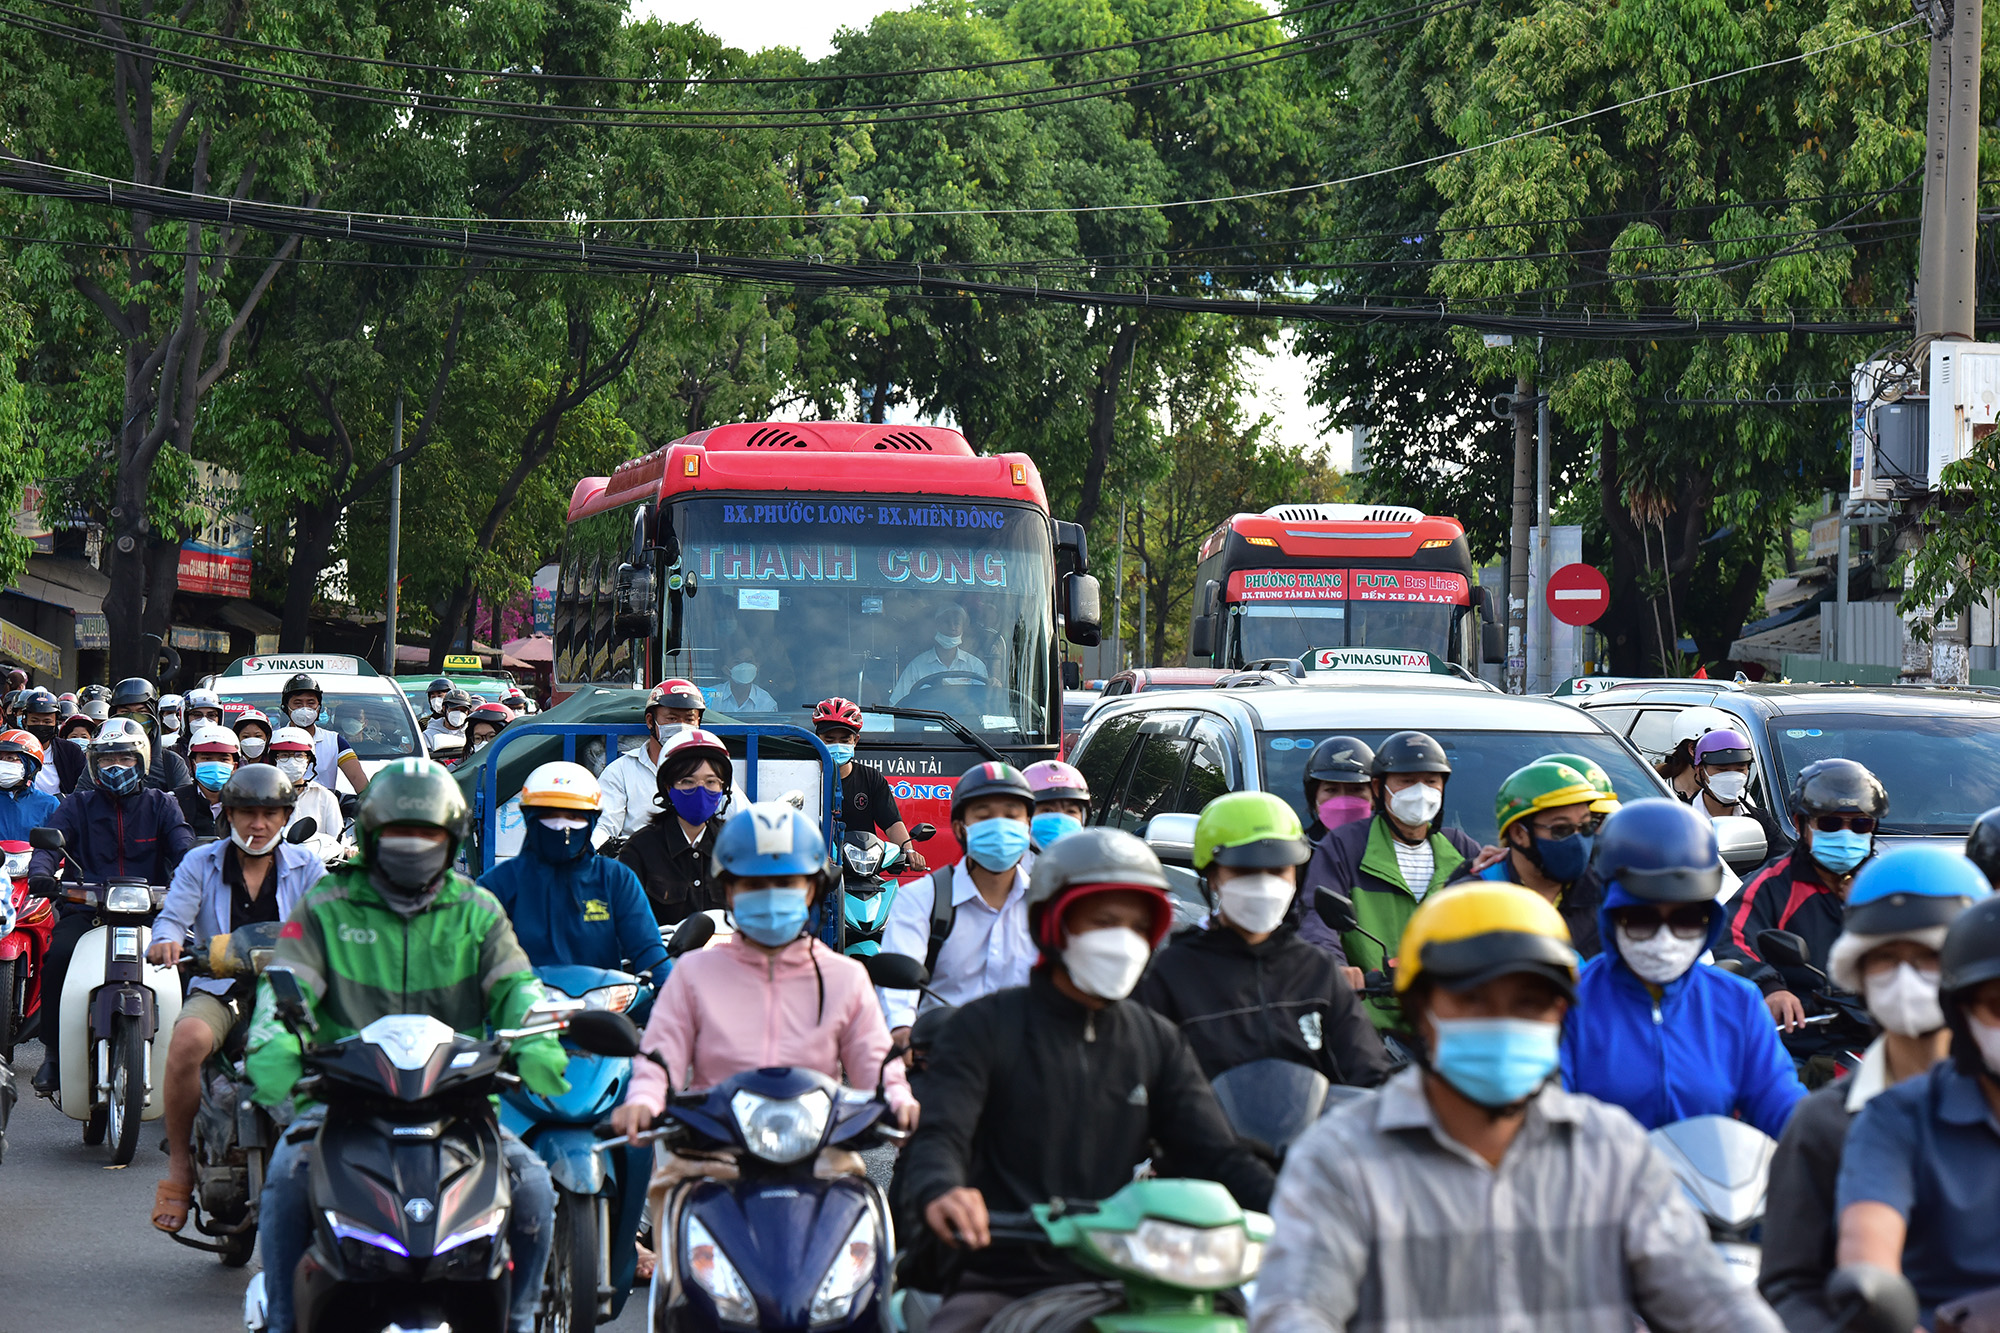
(312, 541)
(1104, 420)
(1626, 623)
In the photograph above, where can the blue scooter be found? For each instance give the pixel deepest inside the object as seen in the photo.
(868, 868)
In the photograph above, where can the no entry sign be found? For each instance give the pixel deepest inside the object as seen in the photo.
(1578, 594)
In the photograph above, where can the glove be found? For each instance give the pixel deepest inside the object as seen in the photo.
(540, 1064)
(43, 886)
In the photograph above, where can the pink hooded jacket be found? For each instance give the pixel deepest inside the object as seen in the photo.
(735, 1007)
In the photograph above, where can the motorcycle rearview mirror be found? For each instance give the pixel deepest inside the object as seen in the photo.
(896, 971)
(47, 839)
(290, 998)
(1870, 1299)
(1781, 948)
(693, 933)
(923, 833)
(1336, 909)
(602, 1032)
(302, 831)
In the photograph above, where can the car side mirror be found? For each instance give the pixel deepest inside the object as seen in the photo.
(1172, 837)
(1201, 637)
(602, 1032)
(1781, 948)
(1336, 910)
(47, 839)
(1492, 643)
(1742, 841)
(1072, 675)
(895, 971)
(923, 833)
(1083, 621)
(1869, 1299)
(302, 831)
(692, 934)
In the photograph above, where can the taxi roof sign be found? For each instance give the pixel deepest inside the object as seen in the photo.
(312, 664)
(462, 662)
(1413, 660)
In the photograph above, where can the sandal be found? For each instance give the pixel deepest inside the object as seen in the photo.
(173, 1202)
(643, 1269)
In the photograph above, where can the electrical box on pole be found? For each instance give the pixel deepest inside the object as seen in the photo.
(1889, 434)
(1965, 402)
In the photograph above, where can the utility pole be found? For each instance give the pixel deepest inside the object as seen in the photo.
(1118, 601)
(1545, 654)
(1139, 654)
(1517, 537)
(395, 543)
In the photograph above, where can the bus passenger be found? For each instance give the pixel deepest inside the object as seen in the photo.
(944, 654)
(740, 693)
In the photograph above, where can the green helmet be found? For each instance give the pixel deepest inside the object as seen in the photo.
(411, 791)
(1593, 773)
(1542, 785)
(1251, 830)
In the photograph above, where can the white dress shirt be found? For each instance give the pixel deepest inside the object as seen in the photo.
(927, 663)
(629, 783)
(723, 697)
(987, 950)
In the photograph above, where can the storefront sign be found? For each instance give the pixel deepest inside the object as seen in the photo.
(93, 633)
(17, 645)
(216, 560)
(199, 640)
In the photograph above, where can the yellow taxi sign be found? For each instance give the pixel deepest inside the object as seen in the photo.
(461, 662)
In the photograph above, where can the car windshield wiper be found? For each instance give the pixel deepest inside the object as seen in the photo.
(948, 722)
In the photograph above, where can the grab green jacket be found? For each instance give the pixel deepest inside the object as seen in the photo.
(357, 959)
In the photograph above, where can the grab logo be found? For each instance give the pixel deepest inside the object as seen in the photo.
(357, 935)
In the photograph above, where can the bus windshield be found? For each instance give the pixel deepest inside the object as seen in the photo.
(1288, 629)
(943, 607)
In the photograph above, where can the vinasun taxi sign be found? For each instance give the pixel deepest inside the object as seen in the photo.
(1371, 659)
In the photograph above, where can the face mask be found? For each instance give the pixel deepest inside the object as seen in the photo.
(771, 917)
(559, 838)
(304, 717)
(245, 846)
(948, 642)
(121, 781)
(743, 672)
(45, 734)
(1905, 1001)
(1728, 787)
(996, 844)
(1660, 959)
(1337, 810)
(213, 773)
(81, 742)
(171, 726)
(1563, 859)
(1416, 806)
(293, 766)
(1496, 1062)
(842, 754)
(1257, 903)
(1106, 963)
(696, 805)
(437, 705)
(1047, 829)
(1987, 1038)
(410, 863)
(12, 774)
(455, 718)
(1841, 850)
(664, 730)
(480, 744)
(252, 746)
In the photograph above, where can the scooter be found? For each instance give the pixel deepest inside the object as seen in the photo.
(1724, 1168)
(22, 950)
(1839, 1025)
(869, 869)
(1336, 910)
(1271, 1102)
(113, 1008)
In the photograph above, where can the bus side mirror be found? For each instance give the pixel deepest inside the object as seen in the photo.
(1492, 643)
(1074, 542)
(1211, 597)
(1072, 675)
(1201, 637)
(635, 615)
(1084, 616)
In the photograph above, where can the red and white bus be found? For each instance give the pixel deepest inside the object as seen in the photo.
(779, 563)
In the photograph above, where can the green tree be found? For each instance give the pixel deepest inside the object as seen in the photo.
(20, 456)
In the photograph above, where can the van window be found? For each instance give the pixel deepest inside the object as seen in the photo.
(1101, 758)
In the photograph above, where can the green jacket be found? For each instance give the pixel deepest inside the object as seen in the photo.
(358, 959)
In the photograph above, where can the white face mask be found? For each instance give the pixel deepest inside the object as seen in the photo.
(293, 766)
(304, 717)
(566, 823)
(949, 641)
(1416, 805)
(1904, 1001)
(455, 718)
(1988, 1040)
(1660, 959)
(743, 672)
(1728, 787)
(1107, 962)
(1257, 903)
(248, 848)
(252, 746)
(437, 705)
(12, 773)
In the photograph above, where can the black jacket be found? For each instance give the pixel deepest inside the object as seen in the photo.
(1031, 1097)
(194, 809)
(1283, 999)
(673, 873)
(1800, 1227)
(169, 771)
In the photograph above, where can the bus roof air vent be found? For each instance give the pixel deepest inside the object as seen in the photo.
(774, 437)
(1343, 513)
(907, 440)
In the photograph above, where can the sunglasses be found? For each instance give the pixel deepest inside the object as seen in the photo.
(1835, 823)
(1689, 922)
(1557, 832)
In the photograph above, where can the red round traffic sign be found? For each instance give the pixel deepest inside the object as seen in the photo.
(1578, 594)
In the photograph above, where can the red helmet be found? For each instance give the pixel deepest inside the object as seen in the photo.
(493, 715)
(676, 693)
(838, 712)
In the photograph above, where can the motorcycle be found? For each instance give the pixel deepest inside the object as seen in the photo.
(869, 867)
(1272, 1102)
(1838, 1027)
(1336, 910)
(21, 952)
(113, 1008)
(1724, 1168)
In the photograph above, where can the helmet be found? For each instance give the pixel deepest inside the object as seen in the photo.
(293, 738)
(259, 787)
(770, 838)
(39, 701)
(1723, 746)
(1906, 893)
(301, 684)
(410, 791)
(1053, 780)
(496, 716)
(993, 779)
(1251, 830)
(27, 747)
(1480, 931)
(676, 693)
(170, 703)
(77, 722)
(458, 698)
(119, 735)
(211, 739)
(1092, 860)
(1971, 953)
(90, 692)
(442, 685)
(203, 699)
(1694, 723)
(1982, 845)
(1593, 773)
(693, 740)
(1838, 787)
(97, 710)
(1409, 752)
(135, 692)
(1339, 759)
(1542, 785)
(1660, 850)
(837, 712)
(250, 715)
(66, 707)
(515, 700)
(563, 786)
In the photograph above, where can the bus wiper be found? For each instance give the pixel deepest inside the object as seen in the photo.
(948, 722)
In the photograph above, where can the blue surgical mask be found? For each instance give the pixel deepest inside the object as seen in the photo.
(1841, 850)
(557, 845)
(697, 805)
(1047, 828)
(842, 754)
(1496, 1061)
(212, 773)
(120, 781)
(1563, 859)
(772, 917)
(996, 844)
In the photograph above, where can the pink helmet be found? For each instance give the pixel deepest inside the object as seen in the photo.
(1053, 780)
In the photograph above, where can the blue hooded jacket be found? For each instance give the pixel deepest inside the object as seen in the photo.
(588, 910)
(24, 809)
(1707, 1046)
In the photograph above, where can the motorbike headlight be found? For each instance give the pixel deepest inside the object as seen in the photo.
(1202, 1258)
(345, 1228)
(128, 898)
(847, 1274)
(485, 1227)
(712, 1271)
(861, 860)
(617, 998)
(782, 1130)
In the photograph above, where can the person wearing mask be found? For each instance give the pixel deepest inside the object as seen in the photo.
(203, 709)
(483, 723)
(1547, 817)
(1337, 790)
(24, 806)
(253, 735)
(1902, 904)
(41, 717)
(1690, 725)
(967, 922)
(1722, 762)
(113, 826)
(1922, 1163)
(294, 754)
(1473, 1192)
(457, 712)
(303, 701)
(944, 655)
(1655, 1030)
(1247, 987)
(631, 781)
(213, 753)
(1391, 862)
(135, 698)
(71, 758)
(171, 734)
(866, 803)
(435, 694)
(437, 944)
(1062, 801)
(1837, 805)
(740, 693)
(250, 874)
(672, 855)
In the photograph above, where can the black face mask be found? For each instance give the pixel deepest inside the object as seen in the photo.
(43, 733)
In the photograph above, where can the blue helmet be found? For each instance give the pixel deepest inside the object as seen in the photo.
(769, 838)
(1659, 850)
(1906, 893)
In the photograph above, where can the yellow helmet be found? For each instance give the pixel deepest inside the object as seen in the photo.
(1463, 936)
(562, 786)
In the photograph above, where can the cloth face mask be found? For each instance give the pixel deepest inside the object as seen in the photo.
(696, 805)
(1337, 810)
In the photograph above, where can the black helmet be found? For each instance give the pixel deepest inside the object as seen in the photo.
(442, 685)
(1408, 752)
(135, 692)
(1982, 845)
(1839, 787)
(259, 787)
(301, 684)
(1338, 759)
(992, 779)
(411, 791)
(1970, 957)
(92, 694)
(39, 701)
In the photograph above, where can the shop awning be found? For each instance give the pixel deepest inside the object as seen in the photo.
(534, 648)
(247, 616)
(64, 581)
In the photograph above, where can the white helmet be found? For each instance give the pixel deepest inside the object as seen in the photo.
(171, 703)
(295, 738)
(561, 785)
(1694, 723)
(208, 699)
(210, 736)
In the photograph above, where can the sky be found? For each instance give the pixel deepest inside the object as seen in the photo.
(1279, 382)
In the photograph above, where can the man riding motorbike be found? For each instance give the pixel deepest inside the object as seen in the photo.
(41, 717)
(303, 701)
(250, 874)
(1902, 903)
(292, 752)
(135, 698)
(866, 803)
(1722, 762)
(399, 930)
(23, 805)
(116, 826)
(630, 782)
(1655, 1030)
(214, 752)
(1547, 819)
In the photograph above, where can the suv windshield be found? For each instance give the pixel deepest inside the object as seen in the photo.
(375, 724)
(1941, 771)
(1480, 762)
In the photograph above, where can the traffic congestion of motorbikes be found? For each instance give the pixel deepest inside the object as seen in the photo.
(685, 1048)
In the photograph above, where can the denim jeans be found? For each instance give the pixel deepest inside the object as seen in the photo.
(285, 1225)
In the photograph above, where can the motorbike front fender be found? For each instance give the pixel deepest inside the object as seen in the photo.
(13, 946)
(572, 1164)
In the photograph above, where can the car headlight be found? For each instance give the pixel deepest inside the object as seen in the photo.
(782, 1130)
(486, 1226)
(128, 898)
(712, 1271)
(344, 1228)
(847, 1274)
(1202, 1258)
(617, 998)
